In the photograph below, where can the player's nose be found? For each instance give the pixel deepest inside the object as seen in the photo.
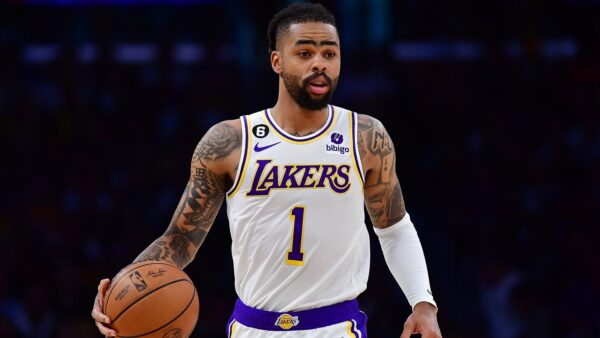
(319, 64)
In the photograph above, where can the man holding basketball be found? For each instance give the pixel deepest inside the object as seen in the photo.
(295, 178)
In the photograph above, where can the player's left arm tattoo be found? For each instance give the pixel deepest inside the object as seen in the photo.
(200, 201)
(383, 196)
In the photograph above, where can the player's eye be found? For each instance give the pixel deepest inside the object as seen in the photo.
(330, 54)
(303, 54)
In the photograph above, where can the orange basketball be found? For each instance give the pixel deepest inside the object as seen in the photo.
(152, 300)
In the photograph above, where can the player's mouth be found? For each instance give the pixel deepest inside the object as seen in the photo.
(318, 86)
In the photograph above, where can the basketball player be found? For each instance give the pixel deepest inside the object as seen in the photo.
(295, 178)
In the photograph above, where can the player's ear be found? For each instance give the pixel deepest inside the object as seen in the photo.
(276, 61)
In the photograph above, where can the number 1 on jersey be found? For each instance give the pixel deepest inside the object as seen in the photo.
(296, 256)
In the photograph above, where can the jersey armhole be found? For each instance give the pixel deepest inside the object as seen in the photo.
(355, 153)
(243, 157)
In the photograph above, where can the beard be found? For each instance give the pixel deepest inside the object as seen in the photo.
(298, 89)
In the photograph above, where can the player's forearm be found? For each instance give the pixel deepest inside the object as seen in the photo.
(155, 252)
(174, 247)
(190, 224)
(186, 233)
(405, 258)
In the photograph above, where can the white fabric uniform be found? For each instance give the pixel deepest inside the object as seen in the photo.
(296, 215)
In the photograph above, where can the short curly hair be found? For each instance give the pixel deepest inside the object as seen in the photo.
(296, 13)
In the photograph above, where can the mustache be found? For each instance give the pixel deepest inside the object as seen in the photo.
(316, 75)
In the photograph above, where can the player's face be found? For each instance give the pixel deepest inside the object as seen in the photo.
(308, 60)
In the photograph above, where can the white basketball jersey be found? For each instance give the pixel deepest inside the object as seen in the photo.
(296, 215)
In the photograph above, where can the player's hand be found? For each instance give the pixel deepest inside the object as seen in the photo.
(423, 320)
(100, 318)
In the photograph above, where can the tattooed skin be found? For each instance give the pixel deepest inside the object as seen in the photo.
(383, 196)
(201, 199)
(223, 140)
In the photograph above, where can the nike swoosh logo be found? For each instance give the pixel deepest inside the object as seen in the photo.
(257, 148)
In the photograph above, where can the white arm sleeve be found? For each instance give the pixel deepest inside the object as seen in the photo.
(405, 259)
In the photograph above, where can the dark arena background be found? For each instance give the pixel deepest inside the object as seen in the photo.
(494, 108)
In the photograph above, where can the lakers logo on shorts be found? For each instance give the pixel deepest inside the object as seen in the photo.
(286, 321)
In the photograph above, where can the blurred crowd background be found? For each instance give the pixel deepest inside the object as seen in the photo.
(494, 108)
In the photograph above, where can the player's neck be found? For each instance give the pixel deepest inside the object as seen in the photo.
(296, 120)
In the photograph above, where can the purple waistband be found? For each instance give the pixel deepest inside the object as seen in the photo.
(295, 320)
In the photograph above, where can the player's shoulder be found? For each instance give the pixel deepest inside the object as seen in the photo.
(219, 146)
(235, 124)
(225, 135)
(368, 122)
(227, 130)
(361, 117)
(365, 122)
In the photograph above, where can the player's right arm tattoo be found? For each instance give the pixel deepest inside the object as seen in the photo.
(200, 202)
(383, 196)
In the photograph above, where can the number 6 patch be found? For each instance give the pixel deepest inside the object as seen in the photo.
(260, 130)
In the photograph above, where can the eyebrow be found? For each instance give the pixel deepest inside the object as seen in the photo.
(314, 43)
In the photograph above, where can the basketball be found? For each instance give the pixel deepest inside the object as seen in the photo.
(152, 300)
